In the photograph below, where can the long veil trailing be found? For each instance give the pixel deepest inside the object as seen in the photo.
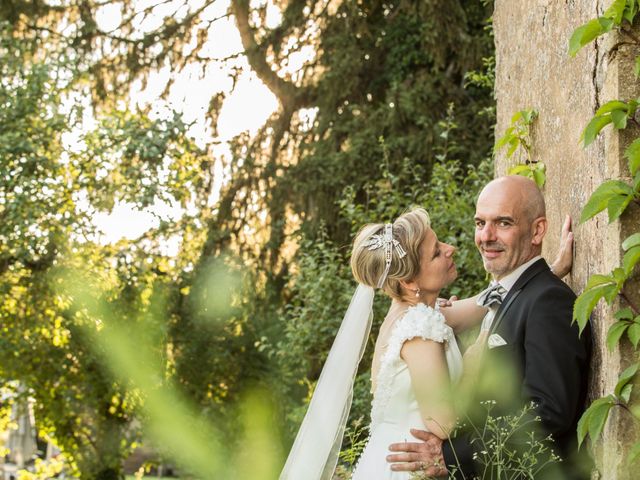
(315, 451)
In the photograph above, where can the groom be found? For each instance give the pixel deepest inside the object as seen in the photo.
(531, 329)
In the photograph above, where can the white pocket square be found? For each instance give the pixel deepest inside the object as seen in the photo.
(495, 340)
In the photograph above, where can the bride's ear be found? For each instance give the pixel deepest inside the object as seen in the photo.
(409, 286)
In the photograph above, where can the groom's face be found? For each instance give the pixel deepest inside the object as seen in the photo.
(503, 231)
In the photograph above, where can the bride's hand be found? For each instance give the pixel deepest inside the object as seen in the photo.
(472, 358)
(564, 260)
(443, 302)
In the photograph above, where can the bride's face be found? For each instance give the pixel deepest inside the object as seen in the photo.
(437, 268)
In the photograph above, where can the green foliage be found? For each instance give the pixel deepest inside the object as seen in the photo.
(616, 112)
(518, 135)
(536, 171)
(632, 154)
(511, 446)
(594, 418)
(613, 195)
(380, 70)
(614, 16)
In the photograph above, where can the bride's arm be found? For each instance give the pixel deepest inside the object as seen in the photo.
(430, 381)
(464, 314)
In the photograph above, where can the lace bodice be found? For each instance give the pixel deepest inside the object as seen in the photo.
(418, 321)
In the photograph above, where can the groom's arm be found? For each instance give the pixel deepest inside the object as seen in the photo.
(556, 359)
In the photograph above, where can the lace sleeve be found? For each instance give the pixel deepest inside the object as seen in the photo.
(424, 322)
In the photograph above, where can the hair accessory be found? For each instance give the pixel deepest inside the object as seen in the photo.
(385, 240)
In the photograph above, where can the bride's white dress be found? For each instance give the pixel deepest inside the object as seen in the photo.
(395, 408)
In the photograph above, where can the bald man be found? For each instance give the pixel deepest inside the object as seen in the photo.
(544, 359)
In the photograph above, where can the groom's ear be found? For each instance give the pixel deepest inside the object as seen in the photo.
(539, 229)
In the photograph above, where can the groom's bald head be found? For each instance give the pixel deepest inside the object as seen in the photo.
(510, 223)
(524, 193)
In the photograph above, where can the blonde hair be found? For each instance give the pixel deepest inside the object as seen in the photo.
(367, 265)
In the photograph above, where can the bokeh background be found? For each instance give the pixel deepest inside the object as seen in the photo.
(180, 182)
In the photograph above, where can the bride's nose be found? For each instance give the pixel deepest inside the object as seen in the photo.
(450, 250)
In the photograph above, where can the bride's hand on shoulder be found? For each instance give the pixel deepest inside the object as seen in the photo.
(472, 358)
(564, 259)
(443, 302)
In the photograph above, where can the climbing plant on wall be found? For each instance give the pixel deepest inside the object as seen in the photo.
(615, 196)
(517, 138)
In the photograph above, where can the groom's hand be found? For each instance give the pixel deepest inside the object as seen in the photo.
(419, 456)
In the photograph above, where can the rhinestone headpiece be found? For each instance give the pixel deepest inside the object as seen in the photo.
(385, 240)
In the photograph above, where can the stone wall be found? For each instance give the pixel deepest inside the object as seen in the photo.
(534, 70)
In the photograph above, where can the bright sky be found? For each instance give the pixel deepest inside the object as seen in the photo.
(245, 109)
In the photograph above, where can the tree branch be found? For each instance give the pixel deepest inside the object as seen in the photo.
(285, 91)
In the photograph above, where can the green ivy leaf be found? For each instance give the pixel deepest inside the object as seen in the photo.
(529, 116)
(632, 153)
(615, 334)
(539, 174)
(587, 32)
(611, 106)
(632, 107)
(616, 11)
(598, 419)
(634, 334)
(600, 199)
(631, 241)
(617, 205)
(620, 276)
(520, 169)
(624, 314)
(631, 10)
(598, 280)
(619, 119)
(592, 130)
(630, 259)
(594, 418)
(625, 377)
(625, 393)
(597, 287)
(514, 143)
(506, 138)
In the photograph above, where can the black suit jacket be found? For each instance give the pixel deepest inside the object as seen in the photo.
(548, 362)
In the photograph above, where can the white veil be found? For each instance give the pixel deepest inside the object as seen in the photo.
(315, 451)
(314, 454)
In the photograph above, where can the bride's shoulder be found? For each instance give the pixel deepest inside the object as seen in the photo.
(423, 321)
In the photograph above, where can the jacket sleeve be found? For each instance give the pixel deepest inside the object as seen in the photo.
(458, 455)
(555, 360)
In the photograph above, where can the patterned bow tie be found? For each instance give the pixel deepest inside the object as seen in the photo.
(492, 296)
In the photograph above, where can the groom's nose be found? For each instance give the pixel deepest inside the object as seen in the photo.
(487, 233)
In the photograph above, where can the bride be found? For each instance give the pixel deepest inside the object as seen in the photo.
(416, 361)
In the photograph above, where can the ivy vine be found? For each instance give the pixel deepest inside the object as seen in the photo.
(517, 137)
(615, 196)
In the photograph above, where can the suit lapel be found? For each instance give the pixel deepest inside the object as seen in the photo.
(527, 275)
